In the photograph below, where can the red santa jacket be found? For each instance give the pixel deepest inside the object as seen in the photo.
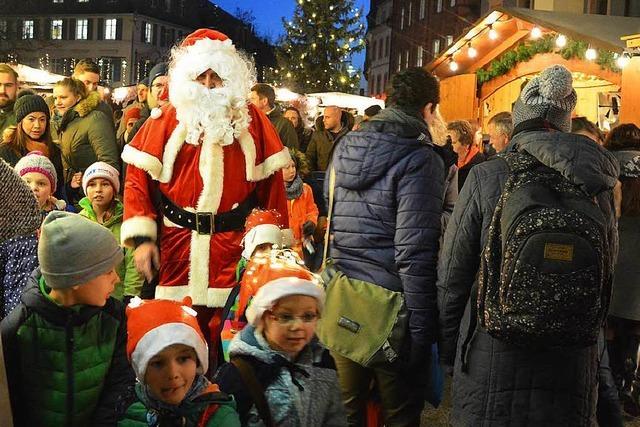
(206, 177)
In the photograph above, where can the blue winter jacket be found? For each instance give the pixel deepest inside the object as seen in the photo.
(386, 216)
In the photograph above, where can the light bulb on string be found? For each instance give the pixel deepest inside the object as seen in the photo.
(471, 51)
(453, 65)
(493, 34)
(591, 54)
(536, 33)
(561, 40)
(623, 60)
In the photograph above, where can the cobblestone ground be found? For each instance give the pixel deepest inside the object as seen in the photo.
(440, 417)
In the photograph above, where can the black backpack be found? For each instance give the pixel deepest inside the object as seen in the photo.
(544, 277)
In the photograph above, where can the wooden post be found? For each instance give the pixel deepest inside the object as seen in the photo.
(630, 90)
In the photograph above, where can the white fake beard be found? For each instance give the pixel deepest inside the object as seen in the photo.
(212, 115)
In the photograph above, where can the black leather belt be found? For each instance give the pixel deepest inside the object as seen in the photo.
(207, 222)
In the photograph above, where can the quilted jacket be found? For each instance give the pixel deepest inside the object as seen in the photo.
(497, 384)
(387, 210)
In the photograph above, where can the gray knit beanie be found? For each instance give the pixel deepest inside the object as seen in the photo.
(19, 213)
(73, 250)
(549, 96)
(28, 102)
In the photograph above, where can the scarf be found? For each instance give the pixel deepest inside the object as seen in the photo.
(473, 150)
(294, 188)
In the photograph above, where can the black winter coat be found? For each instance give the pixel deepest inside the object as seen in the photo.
(503, 385)
(386, 218)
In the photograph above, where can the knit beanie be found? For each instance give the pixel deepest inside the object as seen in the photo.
(28, 102)
(35, 161)
(153, 325)
(160, 69)
(271, 277)
(73, 250)
(19, 212)
(101, 170)
(549, 96)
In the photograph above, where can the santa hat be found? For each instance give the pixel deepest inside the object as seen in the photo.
(261, 226)
(101, 170)
(131, 113)
(35, 161)
(274, 276)
(154, 325)
(203, 33)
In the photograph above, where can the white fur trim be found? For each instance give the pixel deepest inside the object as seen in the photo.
(156, 113)
(138, 226)
(214, 297)
(157, 339)
(142, 160)
(261, 233)
(171, 150)
(265, 169)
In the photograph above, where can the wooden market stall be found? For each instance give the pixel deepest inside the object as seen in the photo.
(483, 72)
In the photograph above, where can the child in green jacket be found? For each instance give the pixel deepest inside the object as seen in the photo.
(65, 344)
(169, 355)
(101, 184)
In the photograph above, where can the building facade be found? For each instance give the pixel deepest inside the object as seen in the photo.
(125, 37)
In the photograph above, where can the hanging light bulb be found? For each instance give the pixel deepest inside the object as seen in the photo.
(622, 61)
(561, 40)
(591, 54)
(471, 51)
(453, 65)
(493, 34)
(536, 33)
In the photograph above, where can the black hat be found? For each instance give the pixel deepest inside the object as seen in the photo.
(372, 111)
(160, 69)
(28, 102)
(144, 81)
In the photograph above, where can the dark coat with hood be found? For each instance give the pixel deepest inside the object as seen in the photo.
(388, 202)
(500, 384)
(85, 135)
(322, 141)
(285, 129)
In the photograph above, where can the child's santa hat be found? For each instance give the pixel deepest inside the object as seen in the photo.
(153, 325)
(262, 226)
(270, 277)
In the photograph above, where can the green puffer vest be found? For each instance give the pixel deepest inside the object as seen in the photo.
(65, 355)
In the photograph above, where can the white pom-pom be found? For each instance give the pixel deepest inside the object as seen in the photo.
(135, 302)
(555, 83)
(156, 113)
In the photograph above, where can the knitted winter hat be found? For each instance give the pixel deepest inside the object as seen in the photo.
(549, 96)
(19, 213)
(131, 113)
(73, 250)
(271, 277)
(154, 325)
(160, 69)
(101, 170)
(261, 226)
(28, 102)
(35, 161)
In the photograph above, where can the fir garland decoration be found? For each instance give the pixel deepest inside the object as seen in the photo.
(527, 50)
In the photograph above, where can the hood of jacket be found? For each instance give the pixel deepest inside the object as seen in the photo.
(366, 155)
(81, 109)
(576, 157)
(87, 211)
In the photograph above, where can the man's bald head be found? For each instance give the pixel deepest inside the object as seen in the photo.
(332, 118)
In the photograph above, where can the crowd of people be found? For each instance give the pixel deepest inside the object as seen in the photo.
(203, 257)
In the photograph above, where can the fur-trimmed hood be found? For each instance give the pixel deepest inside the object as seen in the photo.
(81, 109)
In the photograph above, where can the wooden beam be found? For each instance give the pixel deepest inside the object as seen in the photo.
(498, 50)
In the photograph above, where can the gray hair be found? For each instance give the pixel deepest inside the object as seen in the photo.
(503, 123)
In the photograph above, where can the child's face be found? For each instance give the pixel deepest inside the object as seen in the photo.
(289, 171)
(171, 373)
(96, 291)
(40, 186)
(100, 193)
(291, 324)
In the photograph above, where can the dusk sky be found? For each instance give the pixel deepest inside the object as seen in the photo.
(268, 15)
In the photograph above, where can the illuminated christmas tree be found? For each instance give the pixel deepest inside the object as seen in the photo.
(315, 54)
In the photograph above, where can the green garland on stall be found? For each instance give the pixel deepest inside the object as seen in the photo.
(527, 50)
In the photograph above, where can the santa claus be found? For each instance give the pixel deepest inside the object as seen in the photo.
(196, 170)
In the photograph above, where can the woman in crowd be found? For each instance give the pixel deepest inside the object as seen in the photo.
(469, 154)
(83, 133)
(304, 133)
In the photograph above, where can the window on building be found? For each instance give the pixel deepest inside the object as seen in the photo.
(438, 6)
(449, 40)
(380, 51)
(27, 29)
(422, 8)
(3, 29)
(378, 83)
(384, 83)
(406, 59)
(148, 32)
(399, 62)
(452, 3)
(56, 29)
(83, 1)
(110, 28)
(436, 47)
(373, 50)
(82, 29)
(410, 14)
(402, 19)
(387, 47)
(58, 1)
(419, 57)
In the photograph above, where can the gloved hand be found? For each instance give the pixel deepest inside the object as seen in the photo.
(308, 228)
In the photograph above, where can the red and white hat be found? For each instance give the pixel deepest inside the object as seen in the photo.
(153, 325)
(261, 226)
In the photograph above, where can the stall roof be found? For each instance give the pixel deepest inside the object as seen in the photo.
(601, 31)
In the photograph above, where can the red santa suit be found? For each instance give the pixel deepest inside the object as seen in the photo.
(199, 174)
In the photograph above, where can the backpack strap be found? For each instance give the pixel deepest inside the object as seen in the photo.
(207, 414)
(256, 390)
